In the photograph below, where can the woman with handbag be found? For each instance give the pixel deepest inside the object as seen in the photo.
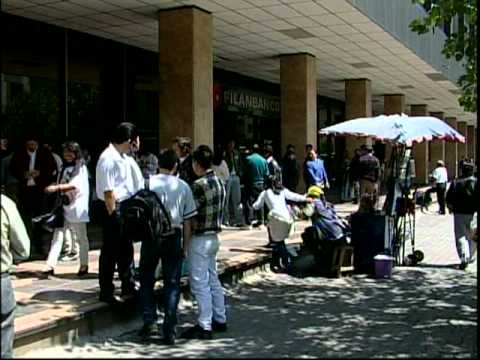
(73, 189)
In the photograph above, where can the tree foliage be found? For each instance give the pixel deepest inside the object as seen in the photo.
(460, 44)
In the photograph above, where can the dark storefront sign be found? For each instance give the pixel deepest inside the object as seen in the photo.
(242, 100)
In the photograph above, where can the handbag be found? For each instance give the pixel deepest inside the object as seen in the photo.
(55, 218)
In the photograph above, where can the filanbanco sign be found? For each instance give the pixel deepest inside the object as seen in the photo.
(250, 101)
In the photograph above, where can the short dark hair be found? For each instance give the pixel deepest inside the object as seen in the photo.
(256, 148)
(167, 159)
(468, 169)
(308, 147)
(203, 156)
(124, 131)
(74, 147)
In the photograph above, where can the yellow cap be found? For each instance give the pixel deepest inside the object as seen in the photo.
(314, 191)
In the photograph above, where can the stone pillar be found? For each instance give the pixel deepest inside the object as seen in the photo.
(471, 141)
(420, 150)
(185, 53)
(437, 147)
(462, 147)
(358, 103)
(451, 151)
(392, 104)
(298, 83)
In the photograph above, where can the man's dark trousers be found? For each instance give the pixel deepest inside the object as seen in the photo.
(117, 249)
(170, 252)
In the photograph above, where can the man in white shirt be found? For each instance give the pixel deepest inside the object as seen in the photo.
(177, 197)
(118, 177)
(440, 179)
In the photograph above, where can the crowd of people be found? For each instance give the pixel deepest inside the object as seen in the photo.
(204, 192)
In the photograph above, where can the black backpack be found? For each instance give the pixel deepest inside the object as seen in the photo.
(144, 217)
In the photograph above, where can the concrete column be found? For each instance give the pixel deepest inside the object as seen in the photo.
(298, 83)
(392, 104)
(186, 75)
(451, 152)
(358, 103)
(462, 147)
(471, 141)
(420, 150)
(437, 147)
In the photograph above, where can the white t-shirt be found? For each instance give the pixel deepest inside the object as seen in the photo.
(118, 173)
(222, 171)
(440, 175)
(277, 202)
(176, 195)
(77, 210)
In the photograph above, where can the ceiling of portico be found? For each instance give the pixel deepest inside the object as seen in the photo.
(250, 34)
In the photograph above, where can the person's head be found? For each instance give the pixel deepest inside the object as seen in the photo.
(256, 148)
(308, 148)
(290, 148)
(314, 192)
(217, 157)
(311, 155)
(366, 149)
(358, 152)
(202, 159)
(182, 145)
(231, 145)
(274, 184)
(31, 142)
(125, 137)
(440, 163)
(72, 153)
(268, 150)
(167, 160)
(467, 169)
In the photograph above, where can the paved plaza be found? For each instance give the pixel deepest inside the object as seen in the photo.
(429, 310)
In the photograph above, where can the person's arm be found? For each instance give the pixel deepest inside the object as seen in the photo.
(60, 188)
(19, 240)
(105, 183)
(189, 212)
(109, 201)
(258, 204)
(292, 196)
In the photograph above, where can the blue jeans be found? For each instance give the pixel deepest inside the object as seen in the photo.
(280, 252)
(8, 315)
(172, 259)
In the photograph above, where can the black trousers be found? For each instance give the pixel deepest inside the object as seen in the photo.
(117, 250)
(440, 190)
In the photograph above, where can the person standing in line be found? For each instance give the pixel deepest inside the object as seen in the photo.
(256, 174)
(314, 173)
(73, 185)
(369, 174)
(233, 213)
(58, 159)
(462, 197)
(354, 175)
(118, 177)
(182, 146)
(177, 197)
(274, 168)
(209, 195)
(35, 168)
(15, 246)
(439, 177)
(290, 169)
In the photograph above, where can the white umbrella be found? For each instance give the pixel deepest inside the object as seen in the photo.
(400, 129)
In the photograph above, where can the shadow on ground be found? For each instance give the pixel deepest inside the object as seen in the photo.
(420, 312)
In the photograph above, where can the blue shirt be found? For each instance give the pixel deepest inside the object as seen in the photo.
(315, 173)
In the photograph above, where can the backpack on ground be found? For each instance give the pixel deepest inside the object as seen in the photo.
(144, 217)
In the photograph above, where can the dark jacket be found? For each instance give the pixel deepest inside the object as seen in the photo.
(44, 163)
(462, 196)
(290, 171)
(234, 159)
(275, 170)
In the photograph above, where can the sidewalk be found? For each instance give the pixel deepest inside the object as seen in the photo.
(45, 304)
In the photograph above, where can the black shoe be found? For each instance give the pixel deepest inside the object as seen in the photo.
(463, 266)
(218, 326)
(148, 330)
(109, 299)
(197, 332)
(169, 339)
